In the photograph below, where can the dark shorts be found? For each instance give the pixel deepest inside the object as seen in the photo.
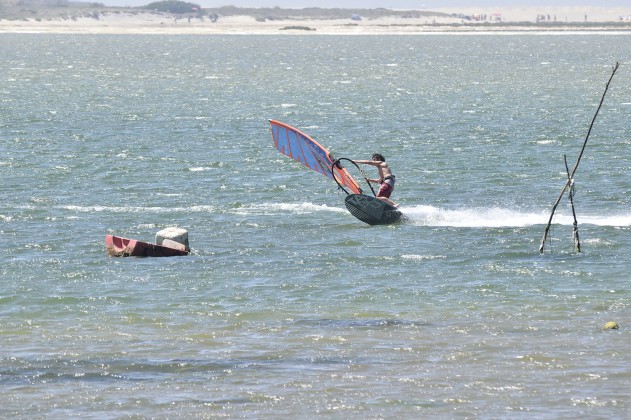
(385, 190)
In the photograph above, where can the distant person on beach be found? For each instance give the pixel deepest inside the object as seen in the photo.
(386, 177)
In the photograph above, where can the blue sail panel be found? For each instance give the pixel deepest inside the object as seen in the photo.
(302, 148)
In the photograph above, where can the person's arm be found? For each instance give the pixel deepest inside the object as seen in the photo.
(369, 162)
(372, 163)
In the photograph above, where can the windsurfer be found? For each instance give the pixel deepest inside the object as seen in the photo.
(386, 177)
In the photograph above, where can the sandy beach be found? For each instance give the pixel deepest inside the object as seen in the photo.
(467, 20)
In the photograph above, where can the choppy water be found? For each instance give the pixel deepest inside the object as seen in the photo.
(288, 306)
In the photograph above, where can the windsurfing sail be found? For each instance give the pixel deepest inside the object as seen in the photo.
(299, 146)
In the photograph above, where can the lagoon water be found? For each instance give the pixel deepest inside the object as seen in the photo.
(288, 306)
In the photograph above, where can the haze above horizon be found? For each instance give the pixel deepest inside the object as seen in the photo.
(386, 4)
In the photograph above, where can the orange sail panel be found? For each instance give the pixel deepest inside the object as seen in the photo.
(299, 146)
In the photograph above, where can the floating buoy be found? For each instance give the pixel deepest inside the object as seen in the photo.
(611, 326)
(125, 247)
(173, 234)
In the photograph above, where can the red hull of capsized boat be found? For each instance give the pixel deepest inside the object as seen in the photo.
(123, 247)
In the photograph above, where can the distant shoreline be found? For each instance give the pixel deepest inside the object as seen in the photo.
(580, 20)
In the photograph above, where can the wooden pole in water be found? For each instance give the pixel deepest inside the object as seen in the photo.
(577, 241)
(570, 179)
